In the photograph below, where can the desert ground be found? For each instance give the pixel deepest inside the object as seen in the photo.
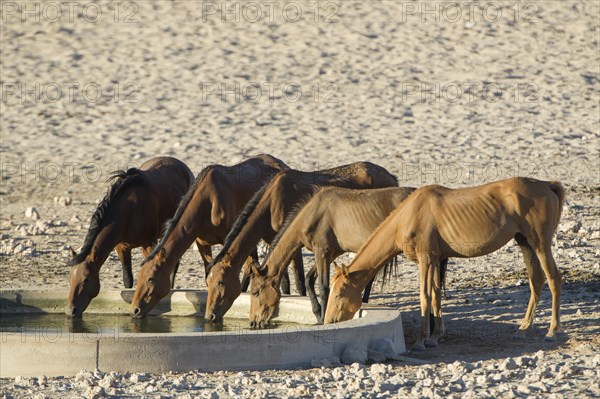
(456, 94)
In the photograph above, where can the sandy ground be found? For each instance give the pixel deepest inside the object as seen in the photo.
(454, 96)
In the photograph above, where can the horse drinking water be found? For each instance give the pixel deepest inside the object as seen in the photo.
(205, 216)
(436, 223)
(130, 215)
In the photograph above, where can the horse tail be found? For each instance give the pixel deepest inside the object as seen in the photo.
(389, 270)
(558, 189)
(443, 268)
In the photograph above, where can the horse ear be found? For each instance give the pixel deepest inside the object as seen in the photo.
(162, 255)
(254, 268)
(93, 255)
(343, 270)
(227, 259)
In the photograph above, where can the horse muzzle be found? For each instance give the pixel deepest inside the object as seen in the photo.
(214, 318)
(73, 311)
(138, 312)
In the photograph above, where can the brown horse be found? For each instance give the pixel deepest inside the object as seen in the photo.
(436, 223)
(335, 220)
(130, 216)
(205, 215)
(265, 215)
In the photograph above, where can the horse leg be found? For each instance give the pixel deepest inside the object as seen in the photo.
(442, 284)
(299, 272)
(285, 282)
(367, 293)
(436, 301)
(443, 267)
(311, 277)
(205, 254)
(554, 281)
(536, 282)
(247, 270)
(124, 254)
(425, 265)
(322, 262)
(173, 273)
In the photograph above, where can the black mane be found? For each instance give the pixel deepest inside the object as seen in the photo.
(171, 223)
(125, 179)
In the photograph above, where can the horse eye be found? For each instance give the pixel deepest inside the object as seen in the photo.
(255, 293)
(221, 282)
(151, 280)
(85, 281)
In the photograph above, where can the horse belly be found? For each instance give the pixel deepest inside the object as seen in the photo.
(481, 241)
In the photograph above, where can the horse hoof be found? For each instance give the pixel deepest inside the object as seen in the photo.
(550, 338)
(430, 343)
(418, 348)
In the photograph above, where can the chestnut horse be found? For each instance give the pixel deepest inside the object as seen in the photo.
(130, 216)
(436, 223)
(264, 216)
(335, 220)
(205, 216)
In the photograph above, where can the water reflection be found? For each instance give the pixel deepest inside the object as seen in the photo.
(107, 325)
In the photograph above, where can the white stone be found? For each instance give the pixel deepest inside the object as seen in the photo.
(64, 201)
(508, 364)
(32, 213)
(139, 377)
(572, 226)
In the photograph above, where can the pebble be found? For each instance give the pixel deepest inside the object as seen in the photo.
(107, 382)
(139, 377)
(508, 364)
(19, 248)
(572, 226)
(32, 213)
(64, 201)
(95, 393)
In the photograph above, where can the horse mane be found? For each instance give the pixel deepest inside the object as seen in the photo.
(170, 224)
(290, 218)
(240, 222)
(124, 180)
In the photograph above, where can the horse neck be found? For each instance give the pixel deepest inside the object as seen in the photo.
(377, 251)
(282, 253)
(106, 240)
(187, 229)
(257, 227)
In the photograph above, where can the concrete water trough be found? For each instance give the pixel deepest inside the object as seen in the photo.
(57, 351)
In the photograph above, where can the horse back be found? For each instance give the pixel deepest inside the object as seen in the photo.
(229, 188)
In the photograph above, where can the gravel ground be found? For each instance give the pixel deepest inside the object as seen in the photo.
(543, 121)
(538, 375)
